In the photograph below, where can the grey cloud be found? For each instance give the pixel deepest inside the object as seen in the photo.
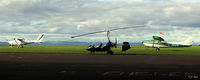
(92, 15)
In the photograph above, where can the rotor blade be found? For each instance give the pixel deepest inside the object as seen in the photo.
(127, 27)
(106, 31)
(88, 34)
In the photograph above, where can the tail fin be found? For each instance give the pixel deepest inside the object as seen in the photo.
(40, 37)
(189, 40)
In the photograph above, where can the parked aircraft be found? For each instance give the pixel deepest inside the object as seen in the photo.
(19, 42)
(109, 44)
(159, 42)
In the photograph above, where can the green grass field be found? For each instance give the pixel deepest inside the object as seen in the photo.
(194, 50)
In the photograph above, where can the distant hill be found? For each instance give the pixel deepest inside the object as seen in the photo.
(3, 43)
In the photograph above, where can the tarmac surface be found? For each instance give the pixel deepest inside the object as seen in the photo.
(36, 66)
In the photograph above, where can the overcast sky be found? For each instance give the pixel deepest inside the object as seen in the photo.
(60, 19)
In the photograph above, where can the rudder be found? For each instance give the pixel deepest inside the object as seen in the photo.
(40, 37)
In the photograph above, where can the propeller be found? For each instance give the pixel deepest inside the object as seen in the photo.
(16, 42)
(141, 42)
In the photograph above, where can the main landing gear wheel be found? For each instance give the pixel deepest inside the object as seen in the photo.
(92, 53)
(110, 52)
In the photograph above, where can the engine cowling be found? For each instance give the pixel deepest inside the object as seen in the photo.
(125, 46)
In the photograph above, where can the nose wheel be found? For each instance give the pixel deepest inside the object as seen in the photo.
(157, 49)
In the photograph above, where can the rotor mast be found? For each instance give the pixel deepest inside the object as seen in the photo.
(108, 35)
